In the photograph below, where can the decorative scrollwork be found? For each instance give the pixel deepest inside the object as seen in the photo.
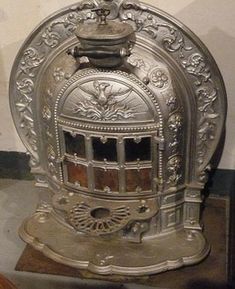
(147, 23)
(175, 124)
(51, 36)
(197, 66)
(31, 59)
(25, 88)
(174, 169)
(34, 162)
(207, 126)
(172, 103)
(206, 94)
(206, 98)
(132, 4)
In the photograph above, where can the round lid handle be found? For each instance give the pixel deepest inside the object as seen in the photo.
(102, 13)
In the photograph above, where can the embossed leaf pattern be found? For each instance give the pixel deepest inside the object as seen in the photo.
(23, 105)
(51, 36)
(153, 26)
(207, 126)
(30, 60)
(174, 169)
(196, 66)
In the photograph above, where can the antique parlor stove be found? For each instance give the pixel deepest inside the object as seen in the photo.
(121, 108)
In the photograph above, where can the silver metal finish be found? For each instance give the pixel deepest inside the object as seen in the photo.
(166, 92)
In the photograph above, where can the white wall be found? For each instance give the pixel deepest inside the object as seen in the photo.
(212, 20)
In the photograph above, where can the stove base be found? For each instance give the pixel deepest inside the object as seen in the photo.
(107, 255)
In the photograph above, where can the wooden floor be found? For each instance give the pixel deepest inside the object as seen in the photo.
(209, 274)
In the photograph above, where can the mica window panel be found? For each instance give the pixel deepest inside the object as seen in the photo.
(135, 151)
(138, 179)
(106, 179)
(75, 145)
(77, 173)
(107, 150)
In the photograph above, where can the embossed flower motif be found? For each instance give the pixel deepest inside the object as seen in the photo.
(58, 74)
(174, 164)
(174, 169)
(207, 131)
(206, 99)
(172, 103)
(175, 122)
(50, 38)
(159, 78)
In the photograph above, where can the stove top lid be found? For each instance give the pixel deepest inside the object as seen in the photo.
(104, 29)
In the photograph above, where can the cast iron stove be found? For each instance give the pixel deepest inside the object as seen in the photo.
(121, 108)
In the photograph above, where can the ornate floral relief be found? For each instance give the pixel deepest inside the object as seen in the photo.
(34, 162)
(104, 103)
(172, 103)
(196, 65)
(25, 88)
(174, 170)
(206, 98)
(47, 116)
(31, 59)
(208, 116)
(46, 111)
(146, 22)
(51, 36)
(133, 4)
(58, 74)
(175, 124)
(203, 176)
(138, 62)
(159, 78)
(51, 156)
(206, 94)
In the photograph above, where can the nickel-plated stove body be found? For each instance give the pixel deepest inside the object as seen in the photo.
(121, 108)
